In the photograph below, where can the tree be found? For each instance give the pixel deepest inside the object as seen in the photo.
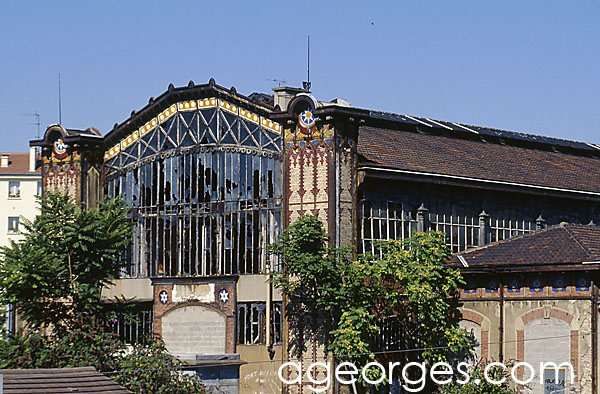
(408, 289)
(68, 255)
(311, 269)
(55, 276)
(311, 278)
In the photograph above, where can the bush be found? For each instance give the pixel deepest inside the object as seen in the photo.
(150, 369)
(479, 385)
(142, 369)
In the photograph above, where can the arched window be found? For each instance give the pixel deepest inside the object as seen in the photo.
(203, 180)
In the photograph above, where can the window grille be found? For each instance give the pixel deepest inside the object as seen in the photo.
(251, 323)
(205, 191)
(391, 335)
(504, 228)
(386, 219)
(461, 229)
(382, 220)
(133, 328)
(277, 318)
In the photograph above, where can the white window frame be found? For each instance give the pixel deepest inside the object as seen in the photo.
(13, 230)
(11, 184)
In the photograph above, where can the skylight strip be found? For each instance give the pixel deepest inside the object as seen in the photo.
(595, 146)
(464, 127)
(418, 120)
(439, 124)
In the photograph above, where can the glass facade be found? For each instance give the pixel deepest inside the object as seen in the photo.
(204, 188)
(464, 217)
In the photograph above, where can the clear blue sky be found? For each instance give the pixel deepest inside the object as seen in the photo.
(531, 66)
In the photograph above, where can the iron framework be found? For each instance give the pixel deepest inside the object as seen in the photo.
(204, 187)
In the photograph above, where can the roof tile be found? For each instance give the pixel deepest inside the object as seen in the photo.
(436, 154)
(18, 163)
(562, 244)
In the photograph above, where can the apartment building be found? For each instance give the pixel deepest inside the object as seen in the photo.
(20, 183)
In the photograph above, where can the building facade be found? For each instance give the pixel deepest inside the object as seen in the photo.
(533, 298)
(213, 176)
(20, 183)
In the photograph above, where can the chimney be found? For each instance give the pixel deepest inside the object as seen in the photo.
(4, 160)
(284, 94)
(32, 158)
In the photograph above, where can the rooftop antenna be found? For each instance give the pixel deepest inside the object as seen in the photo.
(306, 85)
(37, 121)
(59, 102)
(278, 81)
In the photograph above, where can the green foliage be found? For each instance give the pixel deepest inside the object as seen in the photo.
(150, 369)
(413, 284)
(409, 287)
(477, 383)
(55, 276)
(143, 369)
(68, 255)
(84, 344)
(311, 273)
